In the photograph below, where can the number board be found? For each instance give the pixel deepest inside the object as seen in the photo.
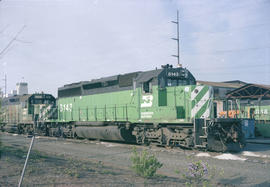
(38, 96)
(175, 74)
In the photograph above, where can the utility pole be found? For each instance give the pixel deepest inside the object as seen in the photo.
(177, 39)
(5, 79)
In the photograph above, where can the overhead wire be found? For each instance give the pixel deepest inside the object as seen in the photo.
(232, 73)
(243, 66)
(251, 5)
(3, 30)
(11, 41)
(229, 31)
(215, 52)
(17, 40)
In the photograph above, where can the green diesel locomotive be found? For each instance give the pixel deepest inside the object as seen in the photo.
(21, 113)
(162, 106)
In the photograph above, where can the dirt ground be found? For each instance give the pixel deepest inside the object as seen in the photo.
(51, 170)
(64, 162)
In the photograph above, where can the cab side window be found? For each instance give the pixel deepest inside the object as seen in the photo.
(162, 83)
(147, 87)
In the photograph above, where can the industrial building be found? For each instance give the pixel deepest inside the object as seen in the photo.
(220, 90)
(237, 99)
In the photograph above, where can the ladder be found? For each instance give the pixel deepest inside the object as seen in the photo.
(203, 136)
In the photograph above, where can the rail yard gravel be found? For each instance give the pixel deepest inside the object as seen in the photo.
(65, 162)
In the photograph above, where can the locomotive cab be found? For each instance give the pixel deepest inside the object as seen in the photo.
(175, 77)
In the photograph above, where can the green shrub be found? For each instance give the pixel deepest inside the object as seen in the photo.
(145, 164)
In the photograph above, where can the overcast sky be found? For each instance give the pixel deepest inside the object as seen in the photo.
(65, 41)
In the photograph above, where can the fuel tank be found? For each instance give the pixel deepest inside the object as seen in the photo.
(114, 133)
(10, 128)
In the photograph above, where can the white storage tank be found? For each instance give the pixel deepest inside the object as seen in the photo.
(22, 88)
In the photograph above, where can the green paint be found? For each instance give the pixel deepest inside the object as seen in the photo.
(200, 95)
(161, 105)
(202, 110)
(162, 97)
(180, 112)
(263, 128)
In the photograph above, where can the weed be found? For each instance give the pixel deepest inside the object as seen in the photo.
(100, 164)
(145, 164)
(30, 170)
(199, 173)
(108, 172)
(73, 172)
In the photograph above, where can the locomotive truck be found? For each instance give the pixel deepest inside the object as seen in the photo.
(162, 106)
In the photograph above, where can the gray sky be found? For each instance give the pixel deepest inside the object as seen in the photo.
(67, 41)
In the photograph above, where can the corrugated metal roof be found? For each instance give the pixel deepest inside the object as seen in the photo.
(141, 77)
(250, 91)
(221, 84)
(147, 75)
(103, 79)
(262, 85)
(236, 81)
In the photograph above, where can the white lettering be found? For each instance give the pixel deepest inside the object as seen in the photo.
(61, 108)
(65, 107)
(147, 101)
(261, 111)
(147, 114)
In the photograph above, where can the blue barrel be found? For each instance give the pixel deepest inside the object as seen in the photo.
(248, 128)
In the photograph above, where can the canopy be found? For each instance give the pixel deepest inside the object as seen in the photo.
(250, 91)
